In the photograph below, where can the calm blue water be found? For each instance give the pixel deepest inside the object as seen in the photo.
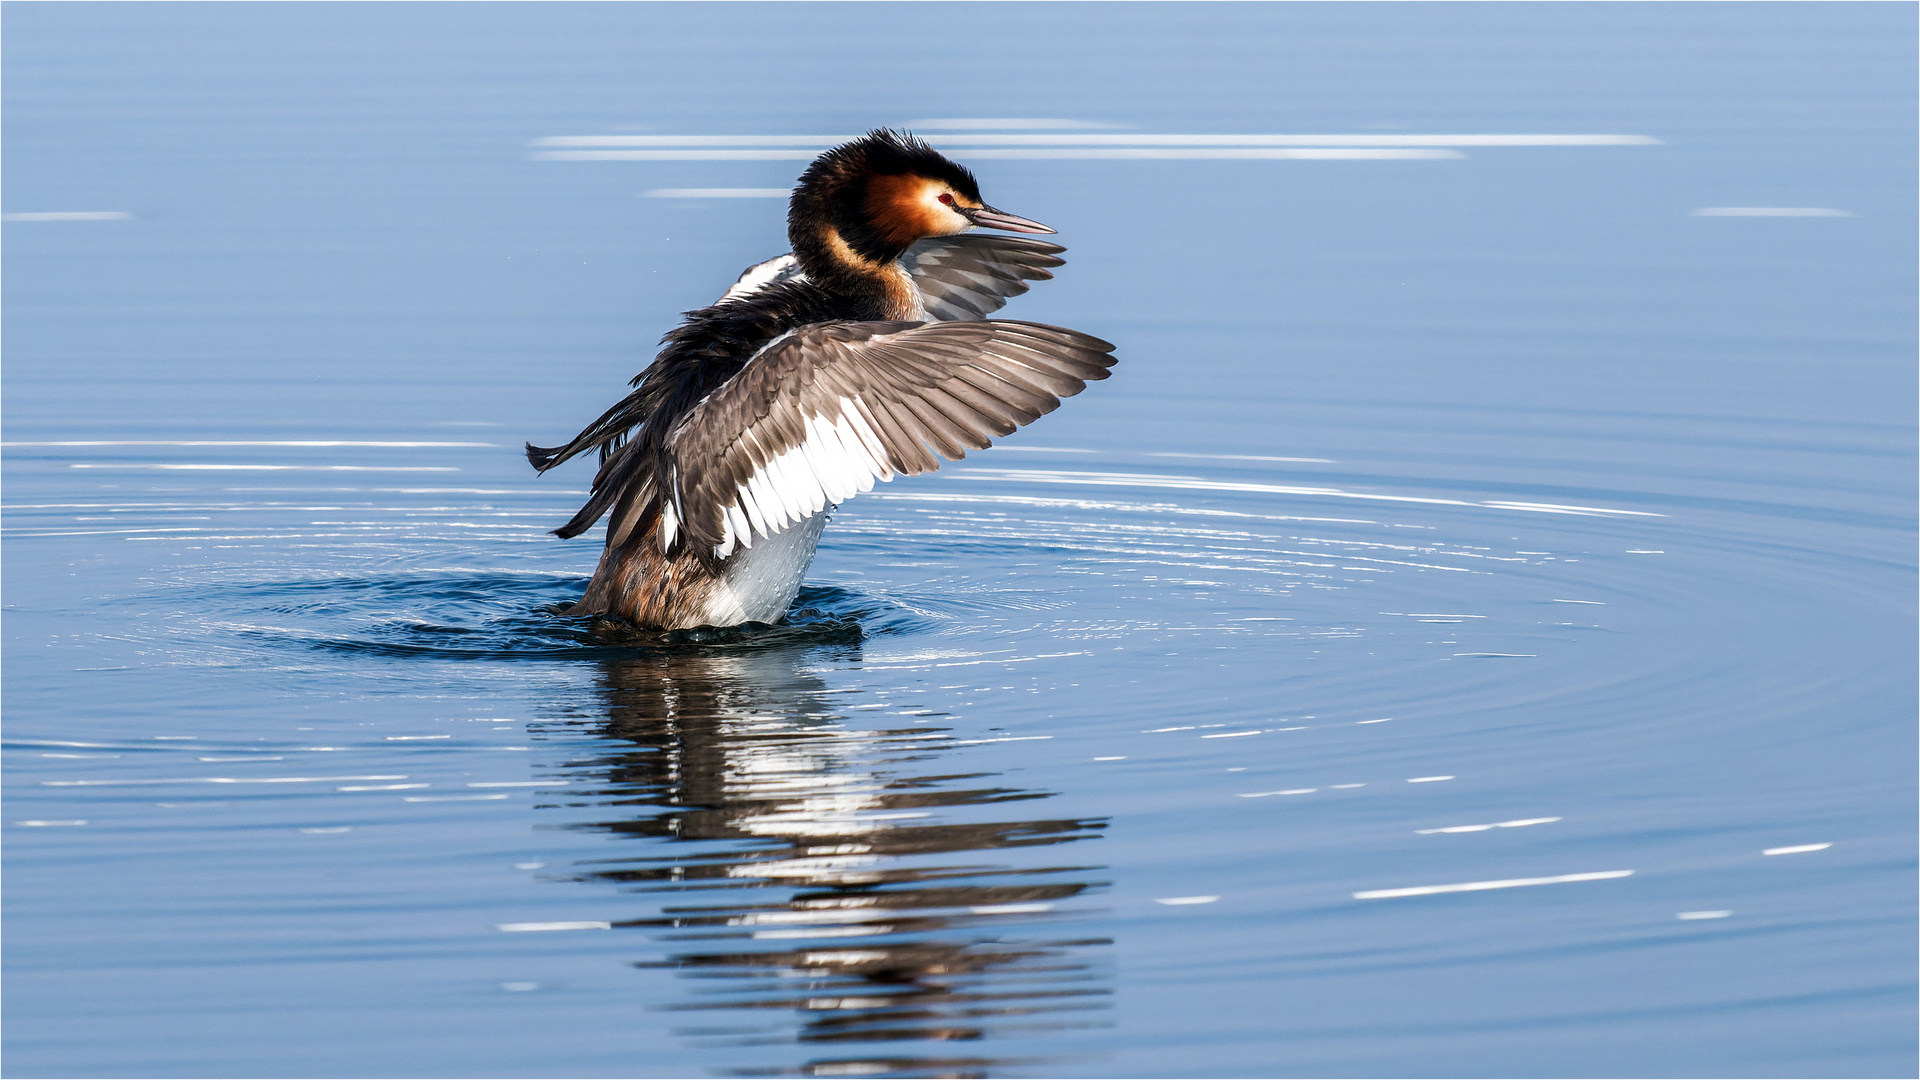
(1479, 520)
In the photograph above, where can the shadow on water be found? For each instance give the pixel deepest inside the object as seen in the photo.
(835, 884)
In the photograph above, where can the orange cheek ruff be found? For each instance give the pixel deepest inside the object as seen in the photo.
(899, 208)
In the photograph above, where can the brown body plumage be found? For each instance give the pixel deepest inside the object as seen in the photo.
(819, 373)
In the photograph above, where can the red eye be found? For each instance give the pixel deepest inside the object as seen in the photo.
(946, 198)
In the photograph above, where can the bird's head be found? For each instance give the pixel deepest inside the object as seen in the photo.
(865, 202)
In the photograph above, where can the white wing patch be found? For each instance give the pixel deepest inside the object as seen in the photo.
(761, 275)
(840, 457)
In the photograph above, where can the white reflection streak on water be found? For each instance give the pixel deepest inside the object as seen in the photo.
(1770, 211)
(249, 442)
(1054, 147)
(215, 780)
(1186, 548)
(1195, 483)
(197, 467)
(1480, 886)
(1051, 154)
(68, 215)
(821, 142)
(718, 193)
(1521, 823)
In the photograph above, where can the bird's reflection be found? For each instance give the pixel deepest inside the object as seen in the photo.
(841, 881)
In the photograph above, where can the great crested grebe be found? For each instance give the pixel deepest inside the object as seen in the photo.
(816, 374)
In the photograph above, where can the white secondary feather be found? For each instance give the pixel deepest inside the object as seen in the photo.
(789, 485)
(748, 505)
(840, 457)
(876, 454)
(669, 526)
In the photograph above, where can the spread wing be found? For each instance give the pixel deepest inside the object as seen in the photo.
(972, 275)
(822, 414)
(969, 276)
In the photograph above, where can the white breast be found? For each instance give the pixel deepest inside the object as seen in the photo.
(761, 581)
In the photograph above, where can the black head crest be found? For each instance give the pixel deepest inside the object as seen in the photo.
(833, 192)
(884, 152)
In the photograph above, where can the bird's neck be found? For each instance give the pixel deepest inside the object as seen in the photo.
(866, 273)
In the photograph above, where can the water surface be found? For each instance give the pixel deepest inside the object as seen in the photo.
(1490, 518)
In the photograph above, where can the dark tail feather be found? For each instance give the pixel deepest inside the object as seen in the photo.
(583, 520)
(610, 428)
(544, 457)
(628, 468)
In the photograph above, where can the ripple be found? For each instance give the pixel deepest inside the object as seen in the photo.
(464, 615)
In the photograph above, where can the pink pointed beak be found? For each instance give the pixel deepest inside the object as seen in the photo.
(988, 218)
